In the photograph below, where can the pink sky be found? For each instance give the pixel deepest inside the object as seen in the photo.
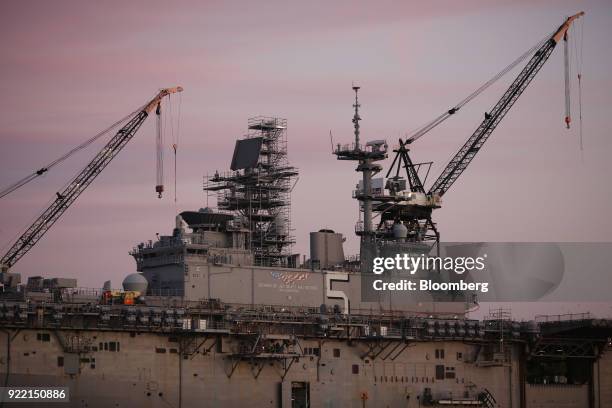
(68, 69)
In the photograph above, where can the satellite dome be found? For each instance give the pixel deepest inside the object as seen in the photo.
(135, 282)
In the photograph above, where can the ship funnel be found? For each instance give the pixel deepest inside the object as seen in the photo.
(326, 248)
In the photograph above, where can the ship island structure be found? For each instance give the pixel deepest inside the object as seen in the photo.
(221, 312)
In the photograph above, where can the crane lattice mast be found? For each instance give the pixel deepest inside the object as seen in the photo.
(75, 188)
(464, 156)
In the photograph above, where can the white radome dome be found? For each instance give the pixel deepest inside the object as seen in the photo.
(135, 282)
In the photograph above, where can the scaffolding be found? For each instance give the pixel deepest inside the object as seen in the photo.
(260, 195)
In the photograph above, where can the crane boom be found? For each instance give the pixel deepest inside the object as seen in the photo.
(464, 156)
(66, 197)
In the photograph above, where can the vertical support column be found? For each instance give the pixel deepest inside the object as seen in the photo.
(367, 200)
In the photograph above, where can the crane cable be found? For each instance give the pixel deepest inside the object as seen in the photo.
(163, 123)
(566, 63)
(22, 182)
(175, 141)
(159, 151)
(417, 133)
(579, 63)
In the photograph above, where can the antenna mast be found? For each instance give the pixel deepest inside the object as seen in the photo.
(356, 117)
(366, 156)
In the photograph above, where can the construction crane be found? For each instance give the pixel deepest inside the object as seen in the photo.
(65, 198)
(464, 156)
(412, 204)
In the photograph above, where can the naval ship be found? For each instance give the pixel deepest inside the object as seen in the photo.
(222, 313)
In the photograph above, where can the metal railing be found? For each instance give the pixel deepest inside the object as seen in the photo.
(567, 317)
